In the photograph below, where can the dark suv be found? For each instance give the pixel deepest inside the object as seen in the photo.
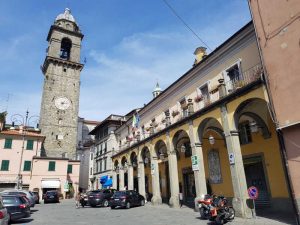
(51, 196)
(17, 206)
(126, 199)
(100, 197)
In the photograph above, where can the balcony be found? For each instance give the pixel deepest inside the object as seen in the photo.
(220, 91)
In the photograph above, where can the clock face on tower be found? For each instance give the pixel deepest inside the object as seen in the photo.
(62, 103)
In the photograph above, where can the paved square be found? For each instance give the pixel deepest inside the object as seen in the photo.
(65, 213)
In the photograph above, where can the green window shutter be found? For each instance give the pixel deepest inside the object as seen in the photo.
(27, 166)
(5, 165)
(51, 166)
(29, 145)
(70, 168)
(8, 143)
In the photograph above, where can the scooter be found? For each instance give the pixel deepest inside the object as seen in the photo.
(205, 205)
(220, 211)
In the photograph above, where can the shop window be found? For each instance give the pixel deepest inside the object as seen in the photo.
(5, 165)
(8, 143)
(51, 166)
(29, 145)
(27, 166)
(245, 133)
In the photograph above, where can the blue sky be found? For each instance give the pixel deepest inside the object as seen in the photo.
(128, 44)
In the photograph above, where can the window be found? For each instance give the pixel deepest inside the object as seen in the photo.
(184, 107)
(100, 165)
(105, 147)
(245, 133)
(91, 171)
(92, 156)
(5, 165)
(105, 163)
(204, 93)
(8, 143)
(188, 150)
(233, 73)
(101, 149)
(70, 168)
(27, 166)
(29, 145)
(65, 48)
(51, 166)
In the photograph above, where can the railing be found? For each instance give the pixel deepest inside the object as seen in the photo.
(249, 76)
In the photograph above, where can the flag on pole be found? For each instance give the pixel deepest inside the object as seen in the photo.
(133, 122)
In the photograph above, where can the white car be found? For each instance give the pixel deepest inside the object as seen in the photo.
(4, 217)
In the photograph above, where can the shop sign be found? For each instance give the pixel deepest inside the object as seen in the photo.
(195, 162)
(152, 168)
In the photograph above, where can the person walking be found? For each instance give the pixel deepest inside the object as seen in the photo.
(77, 200)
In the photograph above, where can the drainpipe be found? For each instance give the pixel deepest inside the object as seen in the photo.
(287, 174)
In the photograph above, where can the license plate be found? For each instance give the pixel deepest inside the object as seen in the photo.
(51, 196)
(116, 199)
(85, 199)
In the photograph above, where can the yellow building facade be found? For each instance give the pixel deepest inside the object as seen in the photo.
(208, 132)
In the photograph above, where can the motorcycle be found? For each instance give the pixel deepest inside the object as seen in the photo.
(82, 200)
(205, 205)
(220, 211)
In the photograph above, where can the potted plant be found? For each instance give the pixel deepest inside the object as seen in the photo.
(198, 98)
(175, 113)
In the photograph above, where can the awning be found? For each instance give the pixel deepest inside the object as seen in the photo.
(108, 183)
(103, 179)
(50, 183)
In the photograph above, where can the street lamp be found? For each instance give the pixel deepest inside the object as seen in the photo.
(24, 122)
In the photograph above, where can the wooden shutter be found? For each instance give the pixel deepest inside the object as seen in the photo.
(29, 145)
(8, 143)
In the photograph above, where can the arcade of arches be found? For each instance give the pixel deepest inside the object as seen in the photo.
(241, 130)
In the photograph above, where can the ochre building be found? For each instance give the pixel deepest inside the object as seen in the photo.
(208, 132)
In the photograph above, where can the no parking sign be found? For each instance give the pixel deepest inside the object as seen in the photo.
(253, 192)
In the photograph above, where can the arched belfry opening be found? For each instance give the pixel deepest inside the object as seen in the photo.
(65, 48)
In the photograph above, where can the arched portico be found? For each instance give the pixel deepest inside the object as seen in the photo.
(261, 154)
(145, 175)
(161, 153)
(123, 173)
(115, 174)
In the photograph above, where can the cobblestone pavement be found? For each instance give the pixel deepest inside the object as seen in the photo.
(65, 213)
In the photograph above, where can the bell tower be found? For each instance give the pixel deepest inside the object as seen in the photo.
(60, 99)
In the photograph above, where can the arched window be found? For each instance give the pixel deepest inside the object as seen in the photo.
(65, 48)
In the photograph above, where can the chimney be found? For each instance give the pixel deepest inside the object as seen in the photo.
(2, 120)
(200, 53)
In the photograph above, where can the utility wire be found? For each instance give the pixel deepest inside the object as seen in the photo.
(188, 27)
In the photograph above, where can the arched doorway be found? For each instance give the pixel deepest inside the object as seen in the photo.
(186, 178)
(116, 169)
(164, 177)
(215, 157)
(134, 164)
(124, 164)
(261, 154)
(146, 157)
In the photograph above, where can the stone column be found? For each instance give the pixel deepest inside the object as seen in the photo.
(114, 178)
(200, 181)
(156, 199)
(173, 172)
(121, 179)
(141, 178)
(130, 177)
(237, 168)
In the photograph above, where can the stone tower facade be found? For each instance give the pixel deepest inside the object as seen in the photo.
(60, 100)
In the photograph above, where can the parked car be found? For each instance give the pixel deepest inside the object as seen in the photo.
(4, 217)
(28, 195)
(17, 207)
(100, 197)
(126, 199)
(36, 197)
(51, 196)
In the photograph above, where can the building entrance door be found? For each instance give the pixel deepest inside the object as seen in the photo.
(255, 176)
(189, 190)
